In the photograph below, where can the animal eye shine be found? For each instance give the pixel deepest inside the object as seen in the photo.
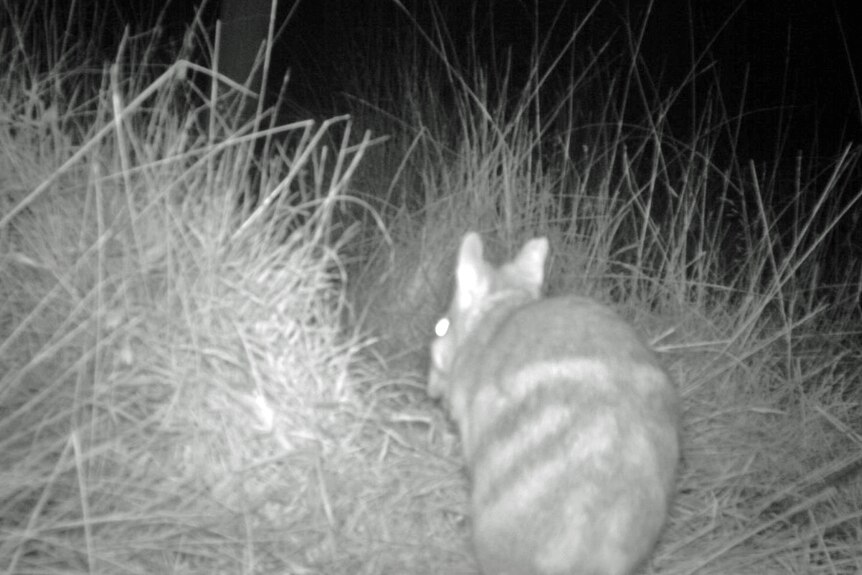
(442, 327)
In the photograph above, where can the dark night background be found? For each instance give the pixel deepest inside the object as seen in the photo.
(792, 59)
(794, 55)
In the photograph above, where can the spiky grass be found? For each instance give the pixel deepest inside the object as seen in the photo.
(178, 382)
(717, 259)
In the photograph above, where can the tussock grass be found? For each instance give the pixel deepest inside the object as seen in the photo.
(212, 351)
(719, 261)
(178, 380)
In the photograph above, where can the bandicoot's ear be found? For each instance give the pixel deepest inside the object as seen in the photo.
(471, 274)
(530, 264)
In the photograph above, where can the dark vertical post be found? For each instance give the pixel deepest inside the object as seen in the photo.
(244, 28)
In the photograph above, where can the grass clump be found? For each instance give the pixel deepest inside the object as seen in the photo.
(178, 386)
(718, 260)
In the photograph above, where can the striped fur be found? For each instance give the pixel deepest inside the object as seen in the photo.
(567, 420)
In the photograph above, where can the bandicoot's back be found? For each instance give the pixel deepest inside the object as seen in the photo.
(567, 420)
